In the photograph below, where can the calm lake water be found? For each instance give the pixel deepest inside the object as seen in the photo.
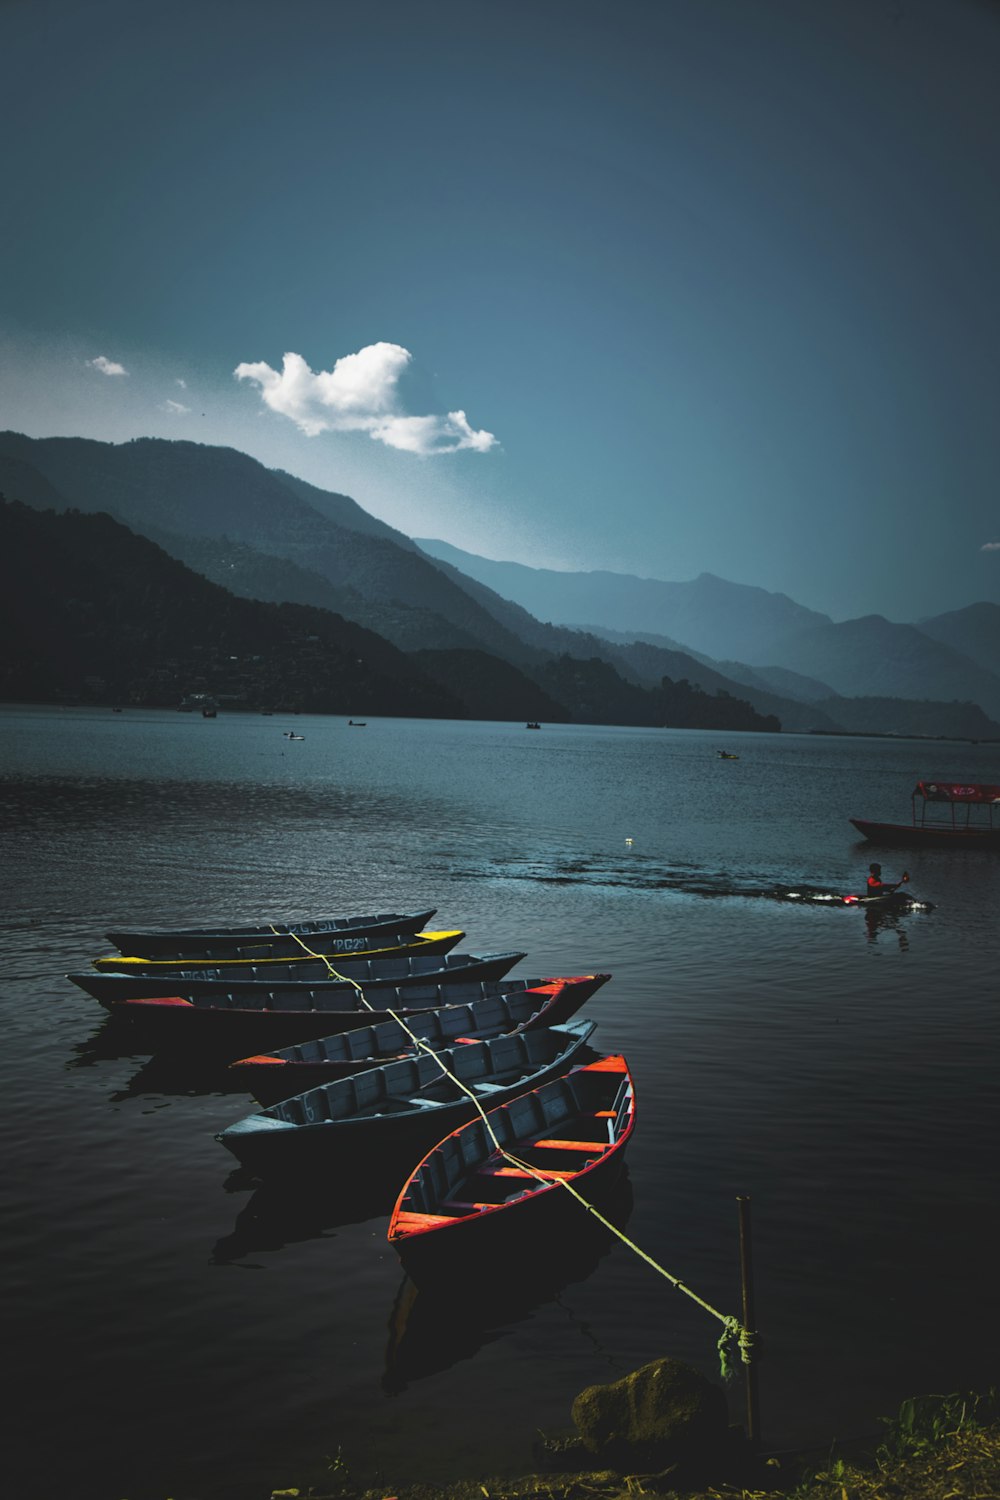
(181, 1334)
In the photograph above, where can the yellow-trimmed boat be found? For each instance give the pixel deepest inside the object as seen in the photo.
(354, 947)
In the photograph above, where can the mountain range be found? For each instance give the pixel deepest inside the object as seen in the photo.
(499, 640)
(951, 657)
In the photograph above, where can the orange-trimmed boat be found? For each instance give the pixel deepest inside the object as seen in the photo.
(494, 1180)
(508, 1006)
(945, 815)
(402, 1105)
(283, 989)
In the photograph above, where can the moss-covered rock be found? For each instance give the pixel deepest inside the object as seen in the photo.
(661, 1415)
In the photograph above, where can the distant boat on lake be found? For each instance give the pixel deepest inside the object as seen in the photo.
(963, 816)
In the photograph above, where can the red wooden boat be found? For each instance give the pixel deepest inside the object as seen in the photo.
(944, 815)
(467, 1198)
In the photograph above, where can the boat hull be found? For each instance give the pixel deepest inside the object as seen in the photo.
(273, 1076)
(410, 945)
(465, 1202)
(910, 835)
(272, 939)
(420, 976)
(407, 1104)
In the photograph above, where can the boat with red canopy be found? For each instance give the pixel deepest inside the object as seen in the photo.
(945, 815)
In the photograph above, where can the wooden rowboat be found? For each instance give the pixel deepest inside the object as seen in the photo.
(321, 934)
(291, 988)
(466, 1198)
(405, 1104)
(271, 1076)
(410, 945)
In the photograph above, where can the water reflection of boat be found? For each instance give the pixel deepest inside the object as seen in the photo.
(432, 1328)
(169, 1075)
(943, 815)
(307, 1206)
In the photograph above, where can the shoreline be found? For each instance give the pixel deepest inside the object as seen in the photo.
(958, 1463)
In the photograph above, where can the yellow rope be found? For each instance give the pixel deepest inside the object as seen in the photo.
(734, 1332)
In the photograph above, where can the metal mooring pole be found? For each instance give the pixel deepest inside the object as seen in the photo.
(746, 1279)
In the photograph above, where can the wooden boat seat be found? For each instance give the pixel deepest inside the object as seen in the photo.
(571, 1145)
(488, 1171)
(502, 1171)
(410, 1221)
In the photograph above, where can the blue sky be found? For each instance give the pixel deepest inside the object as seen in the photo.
(673, 287)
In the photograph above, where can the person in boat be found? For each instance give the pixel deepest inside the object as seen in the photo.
(879, 887)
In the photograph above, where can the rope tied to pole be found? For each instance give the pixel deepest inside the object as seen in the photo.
(735, 1339)
(735, 1335)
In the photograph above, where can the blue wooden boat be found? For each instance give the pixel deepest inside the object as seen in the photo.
(407, 1103)
(321, 934)
(407, 945)
(271, 1076)
(292, 991)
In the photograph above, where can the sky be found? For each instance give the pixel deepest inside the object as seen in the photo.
(660, 286)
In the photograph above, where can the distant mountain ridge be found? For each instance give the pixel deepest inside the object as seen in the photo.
(92, 612)
(262, 538)
(700, 613)
(975, 631)
(182, 488)
(873, 658)
(266, 535)
(751, 635)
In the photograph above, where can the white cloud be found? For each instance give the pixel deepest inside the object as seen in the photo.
(990, 547)
(106, 366)
(182, 383)
(361, 394)
(175, 408)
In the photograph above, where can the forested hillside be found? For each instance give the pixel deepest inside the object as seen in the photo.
(91, 612)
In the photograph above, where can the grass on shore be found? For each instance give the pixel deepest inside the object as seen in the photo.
(937, 1448)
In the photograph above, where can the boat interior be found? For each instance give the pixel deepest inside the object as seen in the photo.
(559, 1129)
